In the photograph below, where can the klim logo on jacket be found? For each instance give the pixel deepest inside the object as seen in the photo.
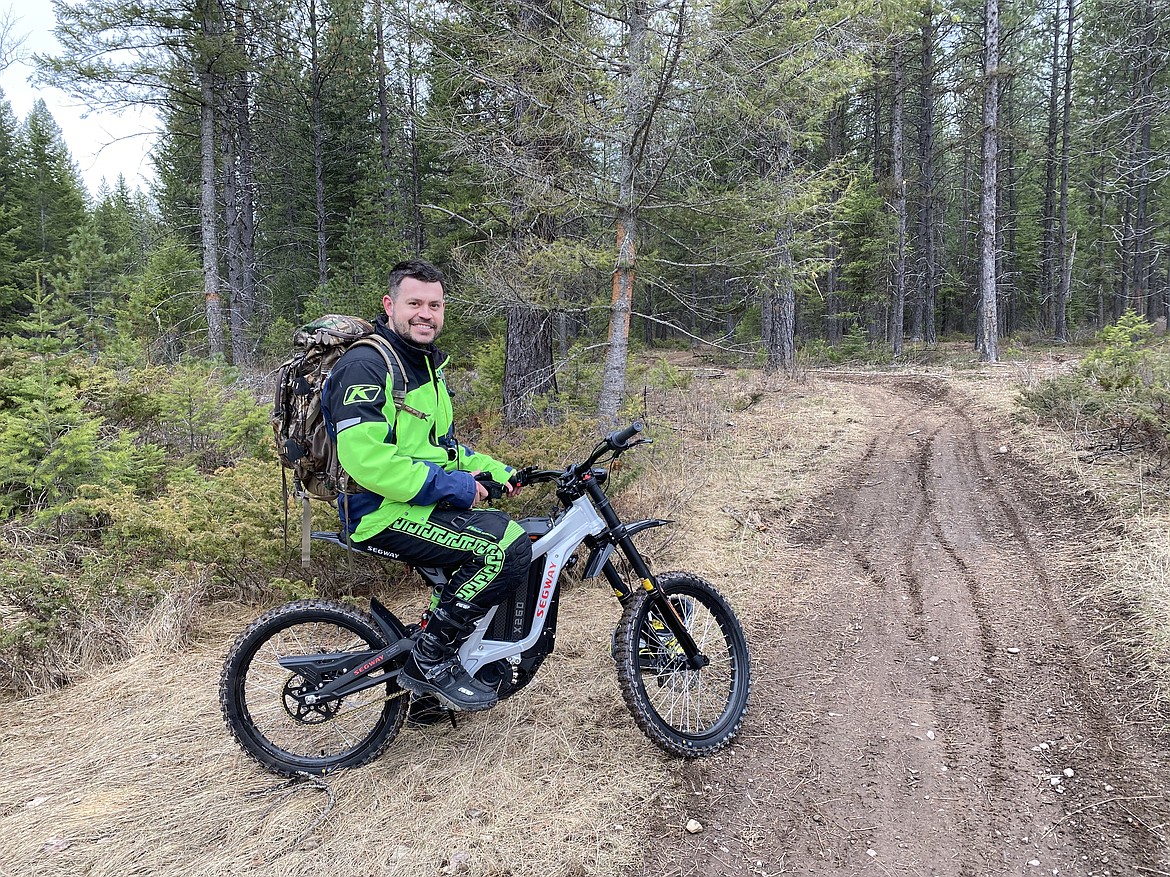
(359, 394)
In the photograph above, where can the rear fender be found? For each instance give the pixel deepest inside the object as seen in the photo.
(391, 627)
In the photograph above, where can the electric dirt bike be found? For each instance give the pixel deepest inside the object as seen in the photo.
(312, 686)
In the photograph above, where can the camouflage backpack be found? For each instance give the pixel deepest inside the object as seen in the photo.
(303, 443)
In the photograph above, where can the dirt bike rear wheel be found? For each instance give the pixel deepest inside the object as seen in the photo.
(257, 694)
(683, 711)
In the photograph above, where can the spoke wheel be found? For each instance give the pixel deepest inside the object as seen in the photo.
(685, 712)
(264, 703)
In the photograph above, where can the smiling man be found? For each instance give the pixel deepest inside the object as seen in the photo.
(418, 490)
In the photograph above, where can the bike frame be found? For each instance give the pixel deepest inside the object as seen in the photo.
(588, 516)
(580, 521)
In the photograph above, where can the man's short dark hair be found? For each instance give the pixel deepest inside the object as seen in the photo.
(416, 268)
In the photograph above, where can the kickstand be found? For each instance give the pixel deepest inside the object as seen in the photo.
(451, 716)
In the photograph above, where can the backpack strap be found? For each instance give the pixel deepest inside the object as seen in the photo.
(399, 383)
(397, 371)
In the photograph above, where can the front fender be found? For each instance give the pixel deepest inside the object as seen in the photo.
(600, 553)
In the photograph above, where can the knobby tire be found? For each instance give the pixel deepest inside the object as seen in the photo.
(684, 712)
(254, 692)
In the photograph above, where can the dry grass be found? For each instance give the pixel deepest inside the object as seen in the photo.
(131, 771)
(107, 631)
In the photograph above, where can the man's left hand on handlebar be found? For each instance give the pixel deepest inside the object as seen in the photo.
(487, 488)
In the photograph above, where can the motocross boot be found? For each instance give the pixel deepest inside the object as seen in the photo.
(433, 667)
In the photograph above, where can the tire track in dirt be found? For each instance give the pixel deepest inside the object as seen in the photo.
(911, 715)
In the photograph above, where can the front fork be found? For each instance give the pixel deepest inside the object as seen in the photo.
(659, 601)
(696, 660)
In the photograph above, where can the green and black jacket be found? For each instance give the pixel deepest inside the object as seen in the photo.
(405, 462)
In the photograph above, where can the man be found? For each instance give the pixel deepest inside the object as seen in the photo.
(418, 487)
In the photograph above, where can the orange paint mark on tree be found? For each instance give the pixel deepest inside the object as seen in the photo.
(623, 283)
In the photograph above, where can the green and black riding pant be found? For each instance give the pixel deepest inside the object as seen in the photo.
(484, 553)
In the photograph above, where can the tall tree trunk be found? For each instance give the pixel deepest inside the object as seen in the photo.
(637, 110)
(244, 294)
(927, 234)
(234, 250)
(988, 337)
(417, 234)
(613, 378)
(1142, 261)
(1123, 299)
(316, 83)
(528, 362)
(1009, 285)
(1063, 249)
(833, 328)
(1049, 267)
(898, 310)
(384, 119)
(778, 304)
(209, 231)
(778, 299)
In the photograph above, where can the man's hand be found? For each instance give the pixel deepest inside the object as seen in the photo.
(481, 492)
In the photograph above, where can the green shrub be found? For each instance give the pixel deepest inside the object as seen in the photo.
(1119, 397)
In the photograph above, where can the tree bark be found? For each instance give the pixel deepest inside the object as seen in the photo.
(316, 82)
(1008, 292)
(898, 309)
(209, 231)
(778, 297)
(1142, 260)
(927, 235)
(778, 305)
(833, 327)
(1064, 251)
(1048, 263)
(384, 119)
(528, 363)
(989, 322)
(637, 113)
(234, 250)
(417, 234)
(613, 378)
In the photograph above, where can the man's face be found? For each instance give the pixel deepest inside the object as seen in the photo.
(417, 313)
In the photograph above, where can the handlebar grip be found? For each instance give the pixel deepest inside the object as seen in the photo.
(620, 438)
(494, 488)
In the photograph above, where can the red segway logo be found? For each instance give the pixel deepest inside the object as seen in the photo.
(369, 665)
(546, 590)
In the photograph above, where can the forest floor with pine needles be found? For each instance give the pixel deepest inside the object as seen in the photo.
(944, 682)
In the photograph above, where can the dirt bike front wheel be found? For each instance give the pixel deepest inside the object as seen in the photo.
(263, 702)
(684, 711)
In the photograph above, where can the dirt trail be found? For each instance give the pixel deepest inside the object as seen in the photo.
(927, 702)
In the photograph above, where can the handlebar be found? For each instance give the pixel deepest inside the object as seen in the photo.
(616, 442)
(621, 437)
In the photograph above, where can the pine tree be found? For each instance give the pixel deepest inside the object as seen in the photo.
(53, 206)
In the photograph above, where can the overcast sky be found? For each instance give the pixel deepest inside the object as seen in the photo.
(102, 144)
